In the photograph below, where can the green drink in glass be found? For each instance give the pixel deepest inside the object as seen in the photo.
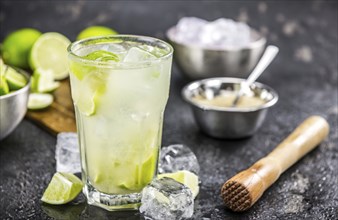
(120, 87)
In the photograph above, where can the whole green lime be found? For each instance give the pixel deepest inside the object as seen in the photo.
(95, 31)
(17, 45)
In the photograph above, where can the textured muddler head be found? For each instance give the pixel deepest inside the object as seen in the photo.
(236, 196)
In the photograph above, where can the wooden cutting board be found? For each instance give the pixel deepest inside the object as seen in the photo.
(59, 117)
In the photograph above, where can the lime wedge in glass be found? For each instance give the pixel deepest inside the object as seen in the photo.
(43, 81)
(14, 79)
(50, 52)
(63, 188)
(38, 101)
(185, 177)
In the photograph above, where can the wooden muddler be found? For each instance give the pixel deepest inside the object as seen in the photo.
(244, 189)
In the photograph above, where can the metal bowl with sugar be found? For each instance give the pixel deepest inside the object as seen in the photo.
(210, 100)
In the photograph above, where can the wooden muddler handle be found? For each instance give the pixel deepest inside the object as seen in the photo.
(244, 189)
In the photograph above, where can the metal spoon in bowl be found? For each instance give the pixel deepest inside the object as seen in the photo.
(269, 54)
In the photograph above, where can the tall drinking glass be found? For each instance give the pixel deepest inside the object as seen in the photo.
(120, 87)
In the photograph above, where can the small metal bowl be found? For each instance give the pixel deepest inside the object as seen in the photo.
(228, 122)
(197, 62)
(13, 107)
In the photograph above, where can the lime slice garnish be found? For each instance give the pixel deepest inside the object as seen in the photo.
(14, 79)
(102, 55)
(43, 81)
(4, 89)
(185, 177)
(63, 188)
(95, 31)
(39, 101)
(50, 52)
(17, 45)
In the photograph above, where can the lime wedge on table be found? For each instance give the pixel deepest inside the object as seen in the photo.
(43, 81)
(39, 101)
(63, 188)
(95, 31)
(14, 79)
(185, 177)
(50, 52)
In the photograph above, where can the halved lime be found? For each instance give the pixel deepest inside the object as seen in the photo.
(95, 31)
(63, 188)
(39, 101)
(43, 81)
(14, 79)
(185, 177)
(17, 45)
(50, 52)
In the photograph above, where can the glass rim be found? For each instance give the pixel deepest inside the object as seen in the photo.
(86, 42)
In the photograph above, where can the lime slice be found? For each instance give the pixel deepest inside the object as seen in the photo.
(102, 55)
(17, 45)
(4, 89)
(39, 101)
(95, 31)
(185, 177)
(14, 79)
(63, 188)
(43, 81)
(50, 52)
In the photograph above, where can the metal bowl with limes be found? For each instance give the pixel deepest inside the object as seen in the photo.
(13, 105)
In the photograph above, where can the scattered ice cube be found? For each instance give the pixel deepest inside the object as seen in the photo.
(67, 153)
(167, 199)
(217, 34)
(136, 54)
(178, 157)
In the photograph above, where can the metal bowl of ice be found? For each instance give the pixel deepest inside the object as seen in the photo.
(222, 48)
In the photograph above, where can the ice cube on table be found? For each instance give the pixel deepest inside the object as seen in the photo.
(177, 157)
(136, 54)
(67, 153)
(167, 199)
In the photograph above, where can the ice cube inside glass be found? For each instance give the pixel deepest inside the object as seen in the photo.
(120, 87)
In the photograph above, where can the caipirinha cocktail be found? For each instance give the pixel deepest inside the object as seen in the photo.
(120, 86)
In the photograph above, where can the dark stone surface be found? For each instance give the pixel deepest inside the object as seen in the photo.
(304, 75)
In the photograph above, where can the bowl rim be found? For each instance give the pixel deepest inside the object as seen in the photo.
(261, 41)
(196, 84)
(23, 89)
